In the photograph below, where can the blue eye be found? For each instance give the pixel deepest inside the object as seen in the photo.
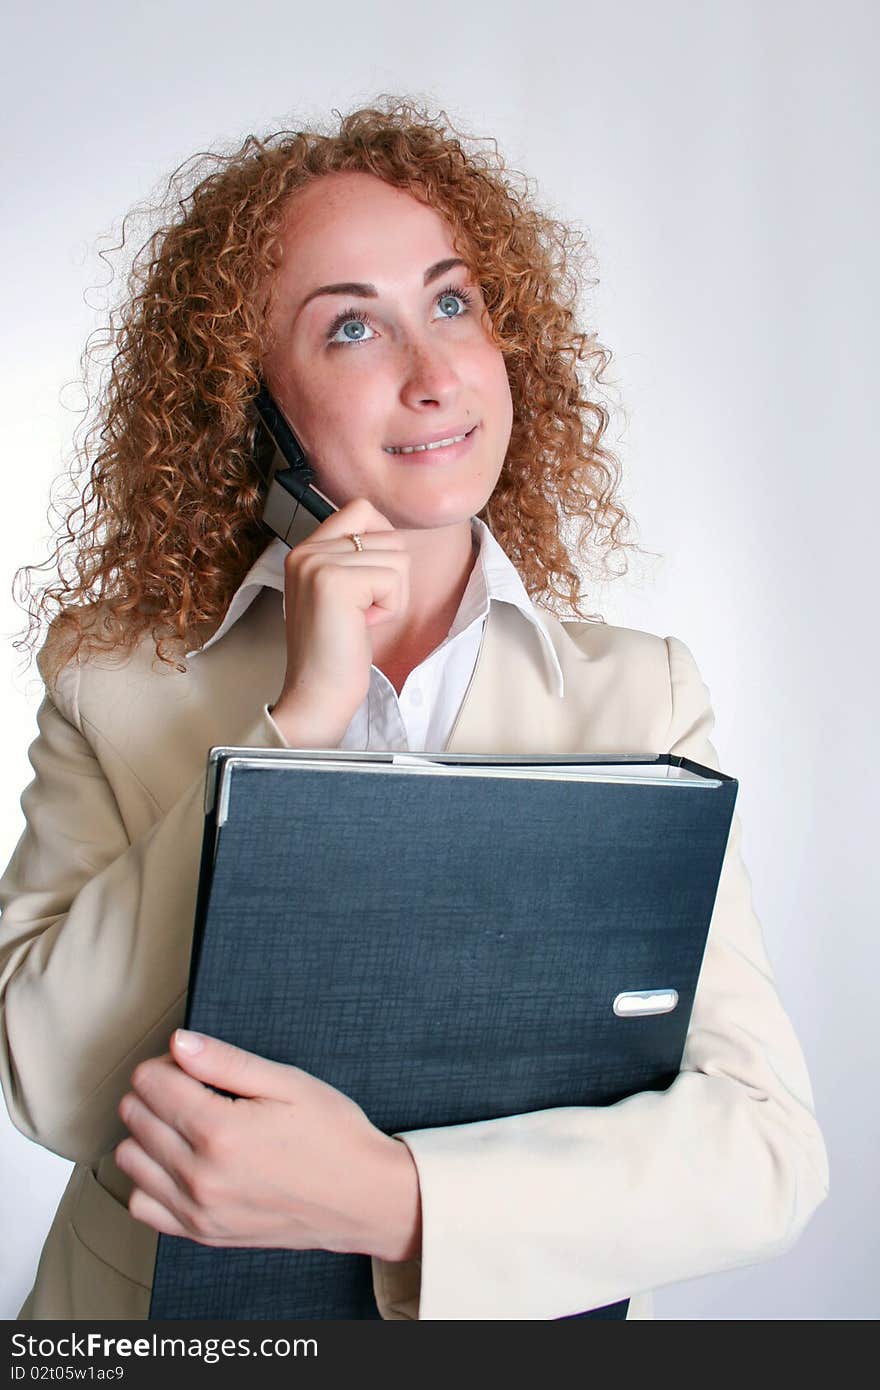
(344, 322)
(449, 295)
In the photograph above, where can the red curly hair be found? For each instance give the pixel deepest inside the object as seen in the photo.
(168, 521)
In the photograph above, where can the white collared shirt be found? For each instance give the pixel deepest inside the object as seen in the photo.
(421, 718)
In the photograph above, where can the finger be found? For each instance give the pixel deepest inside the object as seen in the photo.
(157, 1139)
(175, 1097)
(320, 569)
(153, 1213)
(231, 1068)
(333, 581)
(150, 1177)
(362, 574)
(359, 516)
(383, 592)
(378, 549)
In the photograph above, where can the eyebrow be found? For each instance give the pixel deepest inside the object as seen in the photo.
(366, 291)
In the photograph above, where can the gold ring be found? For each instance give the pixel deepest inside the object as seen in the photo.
(358, 543)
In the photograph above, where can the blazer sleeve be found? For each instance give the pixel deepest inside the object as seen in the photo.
(551, 1213)
(95, 935)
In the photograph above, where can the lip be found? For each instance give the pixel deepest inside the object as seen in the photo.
(449, 451)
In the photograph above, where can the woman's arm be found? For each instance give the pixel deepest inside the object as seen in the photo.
(95, 935)
(548, 1214)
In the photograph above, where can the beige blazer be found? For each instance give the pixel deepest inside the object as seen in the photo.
(535, 1216)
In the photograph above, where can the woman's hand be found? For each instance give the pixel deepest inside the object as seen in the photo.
(293, 1164)
(333, 595)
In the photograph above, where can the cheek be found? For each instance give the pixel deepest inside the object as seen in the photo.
(497, 389)
(344, 418)
(343, 437)
(323, 416)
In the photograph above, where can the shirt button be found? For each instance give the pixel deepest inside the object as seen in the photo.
(415, 697)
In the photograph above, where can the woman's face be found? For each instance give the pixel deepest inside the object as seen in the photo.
(376, 347)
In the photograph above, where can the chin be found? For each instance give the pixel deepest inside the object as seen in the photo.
(427, 518)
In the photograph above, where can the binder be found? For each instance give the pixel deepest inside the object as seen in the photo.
(445, 938)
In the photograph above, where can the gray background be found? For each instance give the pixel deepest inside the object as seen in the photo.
(718, 156)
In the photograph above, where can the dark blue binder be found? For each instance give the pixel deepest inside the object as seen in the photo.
(445, 938)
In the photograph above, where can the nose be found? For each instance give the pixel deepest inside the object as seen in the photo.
(429, 377)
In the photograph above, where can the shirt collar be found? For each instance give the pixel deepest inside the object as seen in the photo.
(493, 578)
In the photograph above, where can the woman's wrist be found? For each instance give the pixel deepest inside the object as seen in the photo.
(301, 730)
(397, 1210)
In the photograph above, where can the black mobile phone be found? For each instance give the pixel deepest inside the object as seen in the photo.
(293, 506)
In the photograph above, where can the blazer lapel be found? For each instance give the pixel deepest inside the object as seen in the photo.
(511, 704)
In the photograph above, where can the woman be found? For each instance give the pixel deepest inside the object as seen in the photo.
(413, 315)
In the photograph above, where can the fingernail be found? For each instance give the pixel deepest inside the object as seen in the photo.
(189, 1042)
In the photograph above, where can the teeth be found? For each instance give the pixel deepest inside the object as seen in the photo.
(421, 448)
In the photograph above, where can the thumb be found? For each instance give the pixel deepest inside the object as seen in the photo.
(231, 1068)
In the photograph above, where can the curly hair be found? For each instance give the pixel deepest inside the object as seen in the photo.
(168, 520)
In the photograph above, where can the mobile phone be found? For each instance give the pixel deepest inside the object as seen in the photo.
(293, 507)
